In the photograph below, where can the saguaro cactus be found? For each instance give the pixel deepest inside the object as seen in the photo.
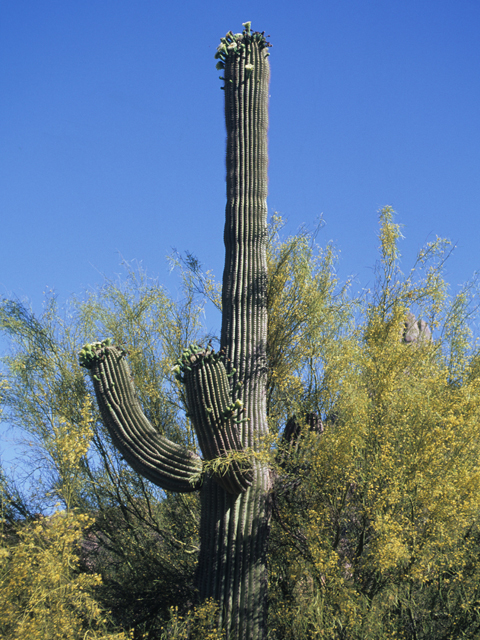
(225, 391)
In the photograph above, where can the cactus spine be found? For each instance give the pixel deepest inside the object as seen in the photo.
(225, 391)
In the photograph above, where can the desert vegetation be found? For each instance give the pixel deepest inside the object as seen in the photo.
(312, 471)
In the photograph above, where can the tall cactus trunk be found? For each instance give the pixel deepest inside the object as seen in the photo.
(234, 529)
(234, 518)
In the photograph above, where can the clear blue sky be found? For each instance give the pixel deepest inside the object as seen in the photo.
(112, 134)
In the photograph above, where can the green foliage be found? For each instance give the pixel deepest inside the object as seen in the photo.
(197, 624)
(375, 530)
(146, 541)
(307, 312)
(43, 593)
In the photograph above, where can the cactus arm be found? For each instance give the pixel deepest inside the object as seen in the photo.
(165, 463)
(214, 415)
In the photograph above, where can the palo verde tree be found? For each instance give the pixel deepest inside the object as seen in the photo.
(225, 391)
(376, 526)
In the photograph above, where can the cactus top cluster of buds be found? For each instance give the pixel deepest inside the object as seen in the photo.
(236, 43)
(195, 357)
(91, 353)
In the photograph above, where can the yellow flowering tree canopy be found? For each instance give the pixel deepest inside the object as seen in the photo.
(376, 498)
(43, 594)
(376, 530)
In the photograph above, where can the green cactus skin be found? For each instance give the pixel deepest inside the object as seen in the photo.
(234, 532)
(225, 392)
(213, 413)
(163, 462)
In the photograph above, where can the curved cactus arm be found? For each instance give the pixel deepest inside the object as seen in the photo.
(158, 459)
(214, 414)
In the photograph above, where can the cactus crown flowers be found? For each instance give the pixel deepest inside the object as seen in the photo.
(237, 43)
